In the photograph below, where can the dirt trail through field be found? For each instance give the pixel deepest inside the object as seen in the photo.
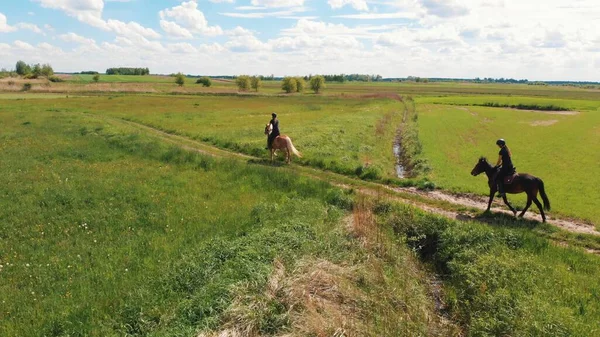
(426, 200)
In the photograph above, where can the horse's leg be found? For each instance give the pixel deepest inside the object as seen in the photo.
(539, 205)
(272, 151)
(529, 198)
(509, 205)
(492, 192)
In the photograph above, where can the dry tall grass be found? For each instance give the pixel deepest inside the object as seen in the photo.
(384, 293)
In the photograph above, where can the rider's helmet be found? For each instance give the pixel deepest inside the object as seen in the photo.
(274, 115)
(500, 142)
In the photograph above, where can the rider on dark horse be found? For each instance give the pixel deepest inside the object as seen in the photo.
(505, 164)
(275, 131)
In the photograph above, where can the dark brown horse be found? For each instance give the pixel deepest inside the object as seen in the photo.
(523, 182)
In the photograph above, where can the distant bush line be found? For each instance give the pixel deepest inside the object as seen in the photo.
(520, 106)
(127, 71)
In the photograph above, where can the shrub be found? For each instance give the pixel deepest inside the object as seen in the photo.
(243, 82)
(180, 79)
(55, 79)
(289, 84)
(96, 78)
(256, 83)
(205, 81)
(317, 83)
(26, 87)
(300, 84)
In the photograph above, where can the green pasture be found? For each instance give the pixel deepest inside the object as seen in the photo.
(571, 104)
(351, 136)
(501, 280)
(562, 148)
(108, 231)
(85, 78)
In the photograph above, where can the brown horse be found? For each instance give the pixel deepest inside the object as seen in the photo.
(282, 142)
(523, 182)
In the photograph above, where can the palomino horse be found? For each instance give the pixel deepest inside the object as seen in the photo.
(282, 142)
(523, 182)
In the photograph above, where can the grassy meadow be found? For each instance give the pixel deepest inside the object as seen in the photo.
(107, 230)
(351, 136)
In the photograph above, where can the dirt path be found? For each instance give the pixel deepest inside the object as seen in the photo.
(374, 189)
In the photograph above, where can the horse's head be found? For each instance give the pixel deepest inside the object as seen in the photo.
(481, 166)
(268, 129)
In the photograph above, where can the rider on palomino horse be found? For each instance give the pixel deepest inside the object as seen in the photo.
(507, 168)
(275, 130)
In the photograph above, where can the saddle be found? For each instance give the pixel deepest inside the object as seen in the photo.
(509, 179)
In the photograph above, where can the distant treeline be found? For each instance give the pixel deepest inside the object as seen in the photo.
(91, 72)
(549, 107)
(341, 78)
(127, 71)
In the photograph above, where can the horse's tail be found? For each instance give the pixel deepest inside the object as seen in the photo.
(543, 194)
(291, 147)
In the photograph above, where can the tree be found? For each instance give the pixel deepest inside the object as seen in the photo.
(300, 84)
(205, 81)
(23, 68)
(289, 84)
(180, 79)
(47, 70)
(96, 78)
(256, 83)
(37, 70)
(317, 83)
(243, 82)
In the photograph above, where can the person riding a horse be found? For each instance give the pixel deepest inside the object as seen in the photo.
(275, 130)
(505, 164)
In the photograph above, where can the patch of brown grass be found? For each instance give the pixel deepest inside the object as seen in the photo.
(382, 291)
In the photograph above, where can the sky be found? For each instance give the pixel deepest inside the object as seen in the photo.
(521, 39)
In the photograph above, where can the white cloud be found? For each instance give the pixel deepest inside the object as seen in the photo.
(551, 39)
(211, 48)
(189, 17)
(81, 9)
(49, 49)
(287, 13)
(182, 48)
(72, 37)
(378, 16)
(4, 27)
(131, 29)
(31, 27)
(90, 12)
(444, 8)
(140, 42)
(223, 1)
(174, 30)
(360, 5)
(23, 45)
(278, 3)
(239, 31)
(246, 44)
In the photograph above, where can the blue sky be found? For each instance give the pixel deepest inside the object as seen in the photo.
(549, 40)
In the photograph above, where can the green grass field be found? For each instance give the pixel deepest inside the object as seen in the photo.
(339, 134)
(108, 231)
